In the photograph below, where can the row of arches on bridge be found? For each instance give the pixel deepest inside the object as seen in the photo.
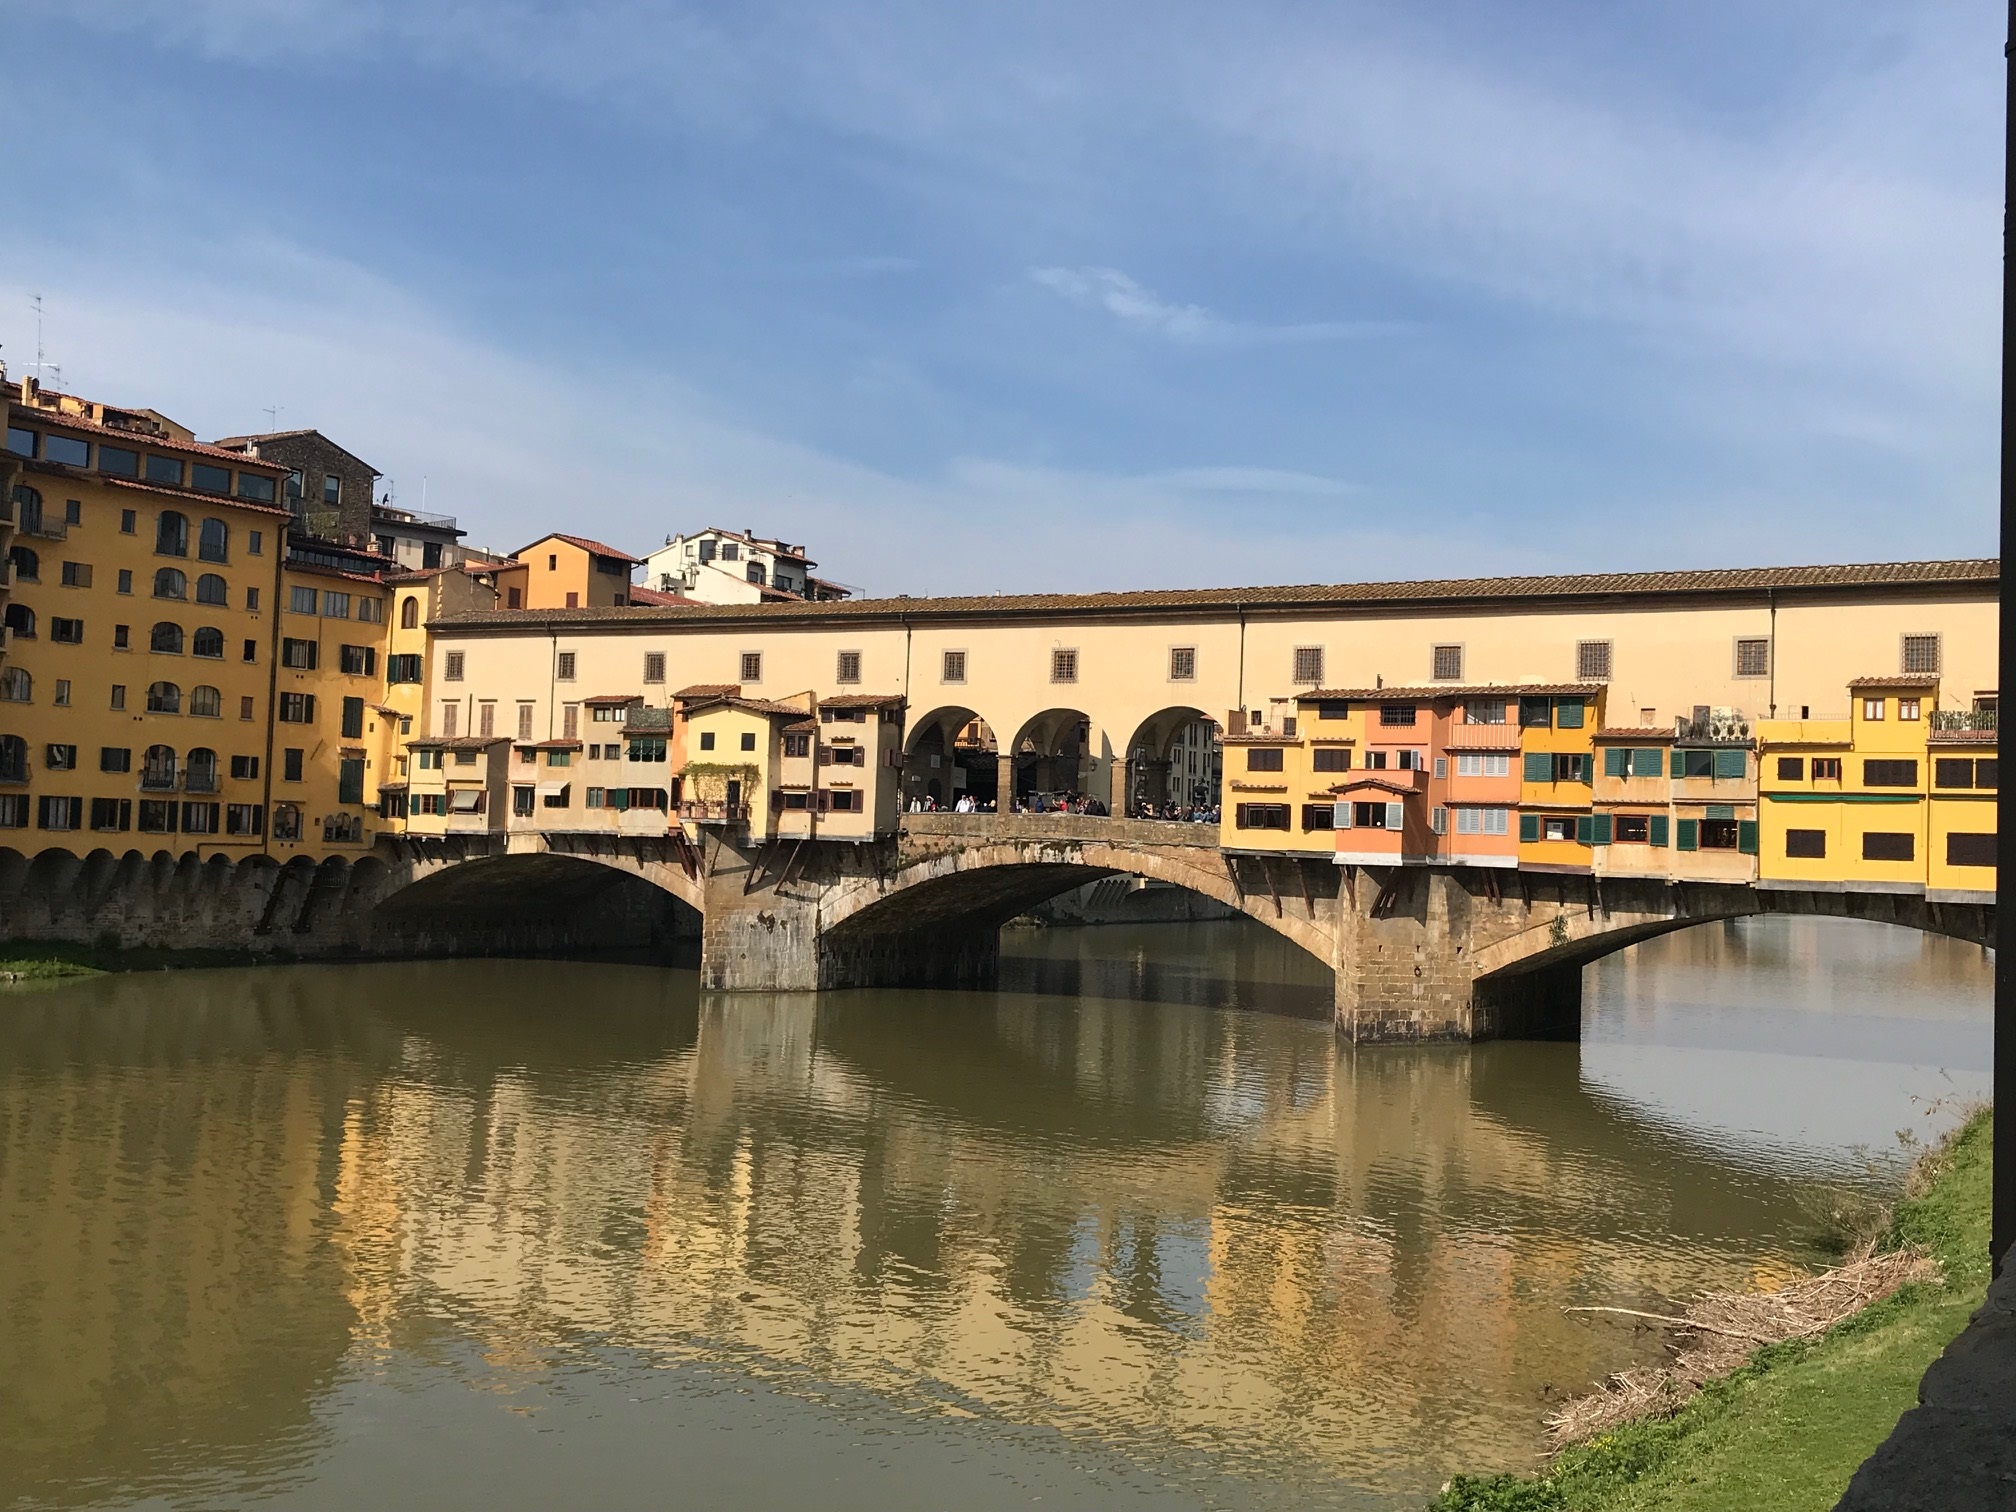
(1172, 755)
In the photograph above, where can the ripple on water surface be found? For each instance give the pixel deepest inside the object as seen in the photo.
(530, 1233)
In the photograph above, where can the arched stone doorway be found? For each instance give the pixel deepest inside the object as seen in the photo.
(1058, 755)
(1172, 759)
(951, 753)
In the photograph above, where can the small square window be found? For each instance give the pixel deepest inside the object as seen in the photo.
(129, 523)
(1308, 664)
(1753, 656)
(1872, 709)
(1447, 664)
(563, 666)
(1182, 664)
(1063, 665)
(451, 667)
(752, 666)
(952, 667)
(654, 666)
(748, 740)
(847, 667)
(1921, 653)
(1592, 661)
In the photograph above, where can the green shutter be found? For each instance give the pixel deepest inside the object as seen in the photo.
(1529, 828)
(1601, 830)
(1585, 830)
(1720, 811)
(1746, 836)
(1617, 761)
(350, 782)
(1539, 766)
(1567, 713)
(1655, 832)
(1730, 765)
(1588, 777)
(1646, 762)
(1690, 835)
(1679, 764)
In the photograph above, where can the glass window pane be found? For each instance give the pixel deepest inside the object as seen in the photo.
(67, 450)
(118, 461)
(210, 479)
(166, 470)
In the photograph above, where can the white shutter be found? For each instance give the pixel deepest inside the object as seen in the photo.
(1340, 816)
(1396, 816)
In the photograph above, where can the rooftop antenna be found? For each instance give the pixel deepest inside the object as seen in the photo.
(37, 302)
(273, 416)
(423, 493)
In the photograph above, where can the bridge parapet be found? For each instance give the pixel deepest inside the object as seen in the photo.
(991, 829)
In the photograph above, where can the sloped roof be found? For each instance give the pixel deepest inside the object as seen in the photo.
(595, 548)
(231, 443)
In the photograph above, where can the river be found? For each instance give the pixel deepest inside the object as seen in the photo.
(1132, 1230)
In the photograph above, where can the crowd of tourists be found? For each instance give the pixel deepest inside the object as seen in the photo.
(1067, 803)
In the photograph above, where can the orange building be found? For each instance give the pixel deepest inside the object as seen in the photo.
(566, 572)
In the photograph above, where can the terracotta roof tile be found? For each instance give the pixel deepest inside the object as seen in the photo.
(457, 742)
(1444, 690)
(596, 547)
(136, 440)
(1743, 582)
(708, 690)
(863, 701)
(186, 494)
(1897, 680)
(1634, 732)
(612, 700)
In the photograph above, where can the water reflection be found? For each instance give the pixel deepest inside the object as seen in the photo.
(518, 1233)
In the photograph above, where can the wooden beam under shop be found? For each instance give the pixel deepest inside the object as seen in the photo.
(1389, 894)
(791, 865)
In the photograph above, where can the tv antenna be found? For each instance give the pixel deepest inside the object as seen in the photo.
(272, 413)
(36, 301)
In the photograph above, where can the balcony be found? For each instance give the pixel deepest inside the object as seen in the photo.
(200, 782)
(1727, 727)
(48, 530)
(707, 811)
(1959, 721)
(158, 782)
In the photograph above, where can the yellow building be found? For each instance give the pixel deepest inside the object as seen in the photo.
(1960, 810)
(1279, 769)
(414, 600)
(1557, 743)
(145, 566)
(566, 572)
(332, 745)
(1844, 798)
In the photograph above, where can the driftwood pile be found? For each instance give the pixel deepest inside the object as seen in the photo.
(1721, 1330)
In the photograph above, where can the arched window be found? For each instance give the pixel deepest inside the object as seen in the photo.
(286, 821)
(157, 768)
(27, 565)
(200, 771)
(20, 620)
(166, 637)
(16, 686)
(207, 641)
(13, 759)
(409, 613)
(169, 583)
(214, 542)
(171, 533)
(211, 589)
(27, 507)
(164, 698)
(205, 702)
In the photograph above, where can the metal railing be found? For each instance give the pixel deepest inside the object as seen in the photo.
(200, 782)
(706, 811)
(1963, 719)
(157, 782)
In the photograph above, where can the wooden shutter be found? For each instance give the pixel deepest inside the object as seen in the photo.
(1617, 761)
(1655, 831)
(1396, 816)
(1646, 762)
(1679, 764)
(1690, 835)
(1600, 829)
(1746, 836)
(1729, 764)
(1567, 713)
(1585, 829)
(1539, 766)
(1529, 828)
(1720, 811)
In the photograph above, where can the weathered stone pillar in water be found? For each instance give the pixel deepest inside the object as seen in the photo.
(1403, 972)
(754, 938)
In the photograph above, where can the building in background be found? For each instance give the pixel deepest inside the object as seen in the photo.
(328, 489)
(565, 572)
(715, 566)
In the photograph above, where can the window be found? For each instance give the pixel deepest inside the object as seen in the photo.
(129, 522)
(1753, 656)
(353, 722)
(451, 714)
(706, 740)
(335, 606)
(1536, 713)
(1632, 829)
(21, 442)
(357, 661)
(245, 768)
(1872, 709)
(165, 638)
(1484, 711)
(522, 804)
(169, 583)
(251, 651)
(563, 666)
(1308, 664)
(1182, 664)
(257, 488)
(1446, 664)
(164, 698)
(111, 813)
(60, 758)
(1791, 768)
(1907, 708)
(652, 747)
(1806, 844)
(1718, 834)
(1483, 764)
(842, 800)
(1826, 768)
(213, 541)
(119, 462)
(654, 666)
(1878, 845)
(797, 745)
(1987, 771)
(1331, 758)
(451, 667)
(756, 574)
(212, 589)
(332, 490)
(297, 708)
(1397, 715)
(1592, 661)
(525, 721)
(16, 686)
(748, 740)
(118, 694)
(350, 779)
(205, 702)
(486, 718)
(1970, 849)
(76, 574)
(1063, 665)
(370, 611)
(1889, 773)
(1953, 772)
(301, 600)
(66, 632)
(1264, 759)
(847, 667)
(171, 533)
(60, 813)
(20, 621)
(752, 666)
(115, 759)
(290, 764)
(301, 655)
(210, 479)
(26, 564)
(409, 613)
(1260, 816)
(1921, 653)
(1481, 819)
(165, 470)
(244, 818)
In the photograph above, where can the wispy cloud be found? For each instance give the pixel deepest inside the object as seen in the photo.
(1123, 298)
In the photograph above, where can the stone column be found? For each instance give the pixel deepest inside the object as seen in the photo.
(1120, 796)
(1004, 801)
(1403, 977)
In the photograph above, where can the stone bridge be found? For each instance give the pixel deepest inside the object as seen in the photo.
(1418, 953)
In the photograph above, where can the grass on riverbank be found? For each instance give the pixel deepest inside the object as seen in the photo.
(1788, 1429)
(45, 961)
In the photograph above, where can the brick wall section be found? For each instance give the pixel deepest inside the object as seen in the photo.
(350, 521)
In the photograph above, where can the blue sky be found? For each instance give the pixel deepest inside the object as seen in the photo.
(1072, 296)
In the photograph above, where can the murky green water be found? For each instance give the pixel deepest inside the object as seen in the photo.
(516, 1235)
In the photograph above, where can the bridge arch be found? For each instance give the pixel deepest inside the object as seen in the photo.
(950, 750)
(1165, 760)
(530, 902)
(1061, 750)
